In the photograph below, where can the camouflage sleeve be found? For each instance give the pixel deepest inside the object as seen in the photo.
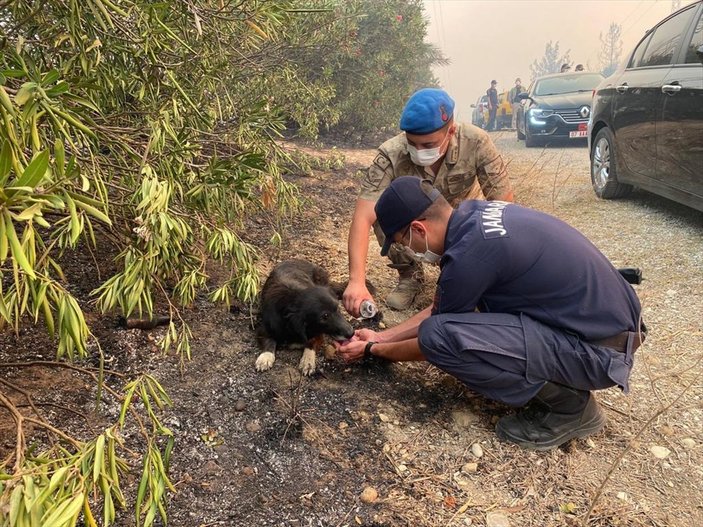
(377, 178)
(491, 170)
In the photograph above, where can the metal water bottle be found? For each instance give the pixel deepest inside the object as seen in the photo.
(368, 309)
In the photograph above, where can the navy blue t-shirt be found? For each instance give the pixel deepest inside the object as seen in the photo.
(504, 258)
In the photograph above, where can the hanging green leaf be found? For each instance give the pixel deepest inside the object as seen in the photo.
(34, 172)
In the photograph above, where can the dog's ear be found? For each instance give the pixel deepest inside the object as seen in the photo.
(337, 289)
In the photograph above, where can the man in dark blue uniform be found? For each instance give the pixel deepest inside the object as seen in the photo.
(527, 311)
(492, 106)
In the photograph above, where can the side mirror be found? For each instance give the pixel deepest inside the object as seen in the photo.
(522, 96)
(699, 52)
(473, 106)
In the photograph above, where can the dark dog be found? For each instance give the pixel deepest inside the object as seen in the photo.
(298, 306)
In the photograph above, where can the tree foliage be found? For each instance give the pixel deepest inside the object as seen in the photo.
(550, 62)
(611, 48)
(384, 62)
(152, 126)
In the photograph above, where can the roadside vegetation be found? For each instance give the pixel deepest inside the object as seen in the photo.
(152, 128)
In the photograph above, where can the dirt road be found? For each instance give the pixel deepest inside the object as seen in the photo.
(300, 452)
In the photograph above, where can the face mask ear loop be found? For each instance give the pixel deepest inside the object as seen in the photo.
(410, 242)
(416, 255)
(428, 256)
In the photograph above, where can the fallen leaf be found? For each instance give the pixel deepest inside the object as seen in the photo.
(568, 508)
(450, 502)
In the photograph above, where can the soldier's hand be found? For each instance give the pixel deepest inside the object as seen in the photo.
(353, 296)
(367, 335)
(352, 350)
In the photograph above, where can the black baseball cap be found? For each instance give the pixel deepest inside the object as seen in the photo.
(405, 199)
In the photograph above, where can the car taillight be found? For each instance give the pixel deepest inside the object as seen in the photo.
(593, 94)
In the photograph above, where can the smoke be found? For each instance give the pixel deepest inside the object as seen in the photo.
(487, 40)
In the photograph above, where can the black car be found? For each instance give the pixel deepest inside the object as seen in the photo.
(556, 107)
(647, 124)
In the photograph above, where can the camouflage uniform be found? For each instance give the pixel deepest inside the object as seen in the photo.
(472, 169)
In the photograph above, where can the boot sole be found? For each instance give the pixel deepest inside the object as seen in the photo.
(591, 427)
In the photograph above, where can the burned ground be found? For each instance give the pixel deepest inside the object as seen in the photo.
(273, 448)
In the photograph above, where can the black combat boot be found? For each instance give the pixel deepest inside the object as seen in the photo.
(556, 415)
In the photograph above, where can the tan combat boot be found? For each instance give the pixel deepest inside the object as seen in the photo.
(409, 285)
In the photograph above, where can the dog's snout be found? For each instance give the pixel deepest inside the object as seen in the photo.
(348, 330)
(343, 329)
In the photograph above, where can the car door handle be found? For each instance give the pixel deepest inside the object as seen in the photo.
(622, 88)
(671, 88)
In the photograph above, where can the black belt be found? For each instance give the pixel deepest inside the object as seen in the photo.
(619, 342)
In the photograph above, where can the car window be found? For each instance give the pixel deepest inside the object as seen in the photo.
(666, 38)
(567, 84)
(636, 60)
(696, 42)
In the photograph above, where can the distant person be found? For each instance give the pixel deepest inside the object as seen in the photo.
(579, 67)
(492, 105)
(565, 68)
(459, 159)
(514, 101)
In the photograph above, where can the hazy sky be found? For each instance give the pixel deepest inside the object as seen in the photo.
(499, 39)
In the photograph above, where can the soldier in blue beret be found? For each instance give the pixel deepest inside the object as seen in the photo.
(459, 159)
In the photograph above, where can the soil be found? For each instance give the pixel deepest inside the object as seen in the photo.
(275, 448)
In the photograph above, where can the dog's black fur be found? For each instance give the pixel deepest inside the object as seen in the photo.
(298, 306)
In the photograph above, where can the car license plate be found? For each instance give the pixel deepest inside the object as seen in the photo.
(578, 133)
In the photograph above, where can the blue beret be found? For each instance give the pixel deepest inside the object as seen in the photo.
(426, 111)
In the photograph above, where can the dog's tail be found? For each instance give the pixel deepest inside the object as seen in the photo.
(339, 287)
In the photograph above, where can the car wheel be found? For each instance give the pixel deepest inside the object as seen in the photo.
(603, 168)
(530, 141)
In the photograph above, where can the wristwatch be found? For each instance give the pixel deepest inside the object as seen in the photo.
(367, 350)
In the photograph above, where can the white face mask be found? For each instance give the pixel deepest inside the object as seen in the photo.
(427, 257)
(427, 156)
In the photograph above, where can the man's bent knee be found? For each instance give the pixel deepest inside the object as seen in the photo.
(431, 337)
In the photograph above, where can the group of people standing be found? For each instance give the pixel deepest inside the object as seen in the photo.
(516, 90)
(493, 102)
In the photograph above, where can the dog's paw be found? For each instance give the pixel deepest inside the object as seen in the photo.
(307, 362)
(265, 361)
